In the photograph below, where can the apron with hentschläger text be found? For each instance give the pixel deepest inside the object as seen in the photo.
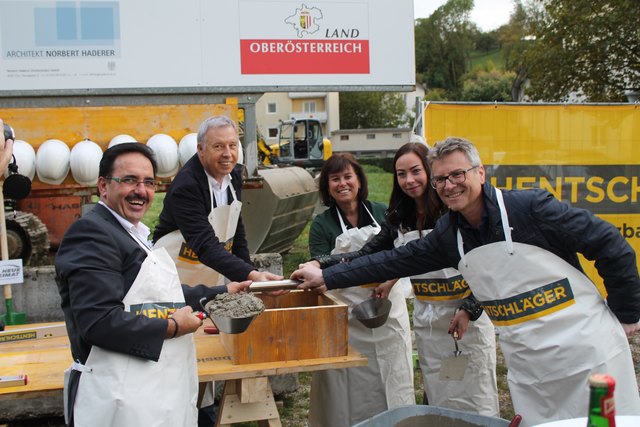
(343, 397)
(438, 294)
(116, 389)
(554, 328)
(224, 221)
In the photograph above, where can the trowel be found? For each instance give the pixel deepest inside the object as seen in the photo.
(454, 364)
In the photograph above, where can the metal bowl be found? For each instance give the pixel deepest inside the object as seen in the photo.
(232, 325)
(373, 312)
(226, 324)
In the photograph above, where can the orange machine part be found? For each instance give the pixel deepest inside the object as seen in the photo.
(58, 213)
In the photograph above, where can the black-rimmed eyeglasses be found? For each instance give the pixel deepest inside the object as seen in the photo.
(133, 182)
(457, 177)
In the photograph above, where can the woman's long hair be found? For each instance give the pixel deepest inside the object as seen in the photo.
(402, 208)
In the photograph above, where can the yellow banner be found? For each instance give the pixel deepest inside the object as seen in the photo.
(587, 155)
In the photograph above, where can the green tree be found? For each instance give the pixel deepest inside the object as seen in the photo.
(486, 42)
(514, 38)
(363, 110)
(583, 46)
(435, 94)
(444, 41)
(488, 85)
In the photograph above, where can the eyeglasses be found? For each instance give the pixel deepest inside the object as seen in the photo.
(133, 182)
(456, 177)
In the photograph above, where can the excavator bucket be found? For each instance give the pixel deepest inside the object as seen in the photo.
(275, 215)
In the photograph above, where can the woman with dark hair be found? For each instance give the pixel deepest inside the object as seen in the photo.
(466, 382)
(343, 397)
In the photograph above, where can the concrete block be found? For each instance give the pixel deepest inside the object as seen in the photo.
(38, 296)
(271, 262)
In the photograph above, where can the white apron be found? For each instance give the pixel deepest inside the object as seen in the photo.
(555, 329)
(224, 221)
(438, 294)
(121, 390)
(343, 397)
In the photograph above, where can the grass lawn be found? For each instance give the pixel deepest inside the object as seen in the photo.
(478, 59)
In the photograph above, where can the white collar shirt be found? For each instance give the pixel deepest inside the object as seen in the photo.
(140, 231)
(220, 190)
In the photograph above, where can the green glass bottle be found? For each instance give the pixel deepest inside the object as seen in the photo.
(602, 408)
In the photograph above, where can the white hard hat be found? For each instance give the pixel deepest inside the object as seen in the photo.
(187, 147)
(52, 161)
(119, 139)
(85, 162)
(25, 159)
(240, 154)
(166, 150)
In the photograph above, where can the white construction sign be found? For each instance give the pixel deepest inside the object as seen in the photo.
(11, 272)
(234, 45)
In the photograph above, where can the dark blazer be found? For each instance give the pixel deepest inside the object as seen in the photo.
(96, 264)
(187, 205)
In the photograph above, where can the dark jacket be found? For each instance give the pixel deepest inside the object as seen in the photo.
(187, 205)
(96, 264)
(536, 218)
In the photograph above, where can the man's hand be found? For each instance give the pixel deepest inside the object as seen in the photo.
(312, 263)
(6, 150)
(185, 321)
(631, 329)
(263, 276)
(384, 288)
(235, 287)
(311, 277)
(459, 323)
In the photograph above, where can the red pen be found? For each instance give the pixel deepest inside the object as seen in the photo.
(200, 315)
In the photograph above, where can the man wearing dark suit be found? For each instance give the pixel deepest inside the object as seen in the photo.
(128, 318)
(200, 224)
(202, 211)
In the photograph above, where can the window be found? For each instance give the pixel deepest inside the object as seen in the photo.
(309, 107)
(396, 135)
(271, 108)
(272, 133)
(344, 137)
(371, 136)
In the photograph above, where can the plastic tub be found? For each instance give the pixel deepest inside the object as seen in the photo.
(430, 416)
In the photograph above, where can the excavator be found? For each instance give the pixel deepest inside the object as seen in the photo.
(300, 143)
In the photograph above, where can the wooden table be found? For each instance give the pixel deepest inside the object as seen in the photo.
(247, 393)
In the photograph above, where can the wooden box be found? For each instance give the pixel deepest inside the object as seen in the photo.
(297, 325)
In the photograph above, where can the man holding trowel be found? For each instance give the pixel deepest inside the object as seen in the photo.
(518, 251)
(200, 225)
